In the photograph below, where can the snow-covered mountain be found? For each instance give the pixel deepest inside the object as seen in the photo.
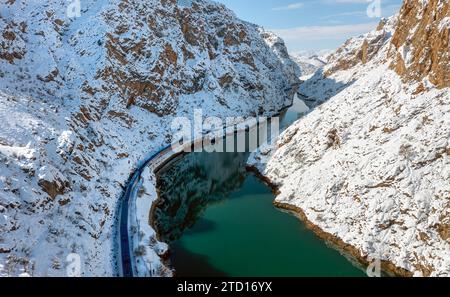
(309, 62)
(369, 167)
(82, 99)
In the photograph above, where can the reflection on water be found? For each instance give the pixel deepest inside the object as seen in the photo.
(190, 183)
(195, 180)
(293, 113)
(219, 220)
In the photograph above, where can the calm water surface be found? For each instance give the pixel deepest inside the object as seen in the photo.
(220, 221)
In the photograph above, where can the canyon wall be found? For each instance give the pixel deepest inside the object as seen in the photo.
(368, 168)
(83, 98)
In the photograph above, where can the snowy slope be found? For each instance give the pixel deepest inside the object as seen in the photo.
(369, 168)
(310, 62)
(83, 99)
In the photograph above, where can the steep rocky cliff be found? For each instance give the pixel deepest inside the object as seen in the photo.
(84, 98)
(368, 168)
(420, 45)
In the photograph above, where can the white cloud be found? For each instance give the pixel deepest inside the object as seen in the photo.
(292, 6)
(387, 11)
(347, 1)
(311, 33)
(343, 14)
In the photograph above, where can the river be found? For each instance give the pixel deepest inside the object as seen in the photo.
(219, 220)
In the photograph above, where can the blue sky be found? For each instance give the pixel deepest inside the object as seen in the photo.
(312, 24)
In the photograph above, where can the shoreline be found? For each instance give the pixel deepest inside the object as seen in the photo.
(166, 155)
(337, 243)
(348, 249)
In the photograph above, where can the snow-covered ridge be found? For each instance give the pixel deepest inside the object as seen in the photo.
(369, 167)
(420, 45)
(83, 99)
(310, 61)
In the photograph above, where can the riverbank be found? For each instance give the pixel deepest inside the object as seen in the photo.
(386, 266)
(370, 164)
(189, 185)
(102, 98)
(142, 245)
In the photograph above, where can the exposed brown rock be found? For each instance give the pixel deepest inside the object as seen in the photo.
(246, 58)
(5, 250)
(122, 155)
(443, 227)
(363, 53)
(190, 31)
(64, 201)
(419, 89)
(127, 119)
(53, 188)
(225, 80)
(333, 139)
(114, 51)
(186, 53)
(418, 34)
(23, 27)
(169, 56)
(11, 47)
(88, 89)
(77, 160)
(8, 35)
(50, 77)
(59, 22)
(381, 25)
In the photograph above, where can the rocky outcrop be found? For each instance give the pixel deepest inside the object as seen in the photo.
(12, 45)
(360, 50)
(420, 45)
(368, 167)
(183, 50)
(291, 70)
(418, 38)
(52, 181)
(91, 95)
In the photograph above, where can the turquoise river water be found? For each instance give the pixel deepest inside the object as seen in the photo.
(219, 220)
